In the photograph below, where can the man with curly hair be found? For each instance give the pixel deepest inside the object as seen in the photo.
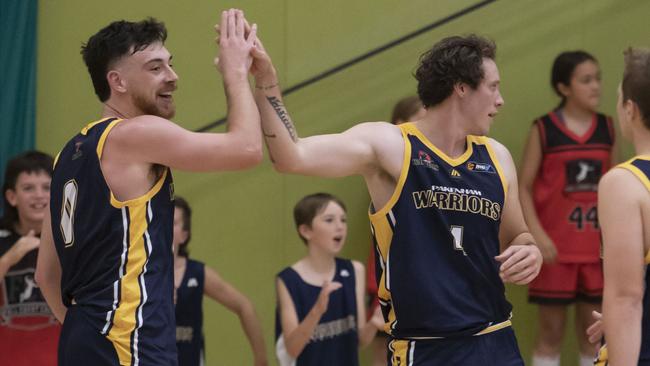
(445, 213)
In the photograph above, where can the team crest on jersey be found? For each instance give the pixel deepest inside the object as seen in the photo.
(582, 175)
(424, 160)
(77, 150)
(20, 297)
(473, 166)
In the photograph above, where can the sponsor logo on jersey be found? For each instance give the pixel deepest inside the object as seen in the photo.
(424, 160)
(473, 166)
(455, 173)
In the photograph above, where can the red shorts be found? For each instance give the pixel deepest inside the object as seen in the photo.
(565, 283)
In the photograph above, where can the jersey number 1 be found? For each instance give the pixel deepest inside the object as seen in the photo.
(67, 211)
(457, 233)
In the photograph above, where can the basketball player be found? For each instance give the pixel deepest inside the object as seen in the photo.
(321, 318)
(445, 202)
(624, 213)
(106, 263)
(567, 152)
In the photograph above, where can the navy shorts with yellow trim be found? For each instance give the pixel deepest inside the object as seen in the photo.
(496, 348)
(80, 344)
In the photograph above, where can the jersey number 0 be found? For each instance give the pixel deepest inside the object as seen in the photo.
(70, 190)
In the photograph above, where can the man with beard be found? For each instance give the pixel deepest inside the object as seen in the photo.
(105, 263)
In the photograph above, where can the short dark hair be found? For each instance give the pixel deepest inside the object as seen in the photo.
(636, 81)
(27, 162)
(181, 203)
(449, 62)
(405, 108)
(564, 65)
(310, 206)
(113, 42)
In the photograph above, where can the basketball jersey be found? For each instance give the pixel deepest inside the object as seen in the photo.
(640, 167)
(189, 315)
(335, 340)
(564, 190)
(436, 240)
(26, 322)
(116, 257)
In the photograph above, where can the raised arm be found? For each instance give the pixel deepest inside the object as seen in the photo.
(225, 294)
(334, 155)
(150, 139)
(48, 270)
(520, 258)
(529, 169)
(620, 197)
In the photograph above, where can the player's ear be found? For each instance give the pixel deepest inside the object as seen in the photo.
(461, 89)
(10, 195)
(116, 81)
(305, 231)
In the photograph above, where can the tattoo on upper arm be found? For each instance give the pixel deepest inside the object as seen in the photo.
(279, 109)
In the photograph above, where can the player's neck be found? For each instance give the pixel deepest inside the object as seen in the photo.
(445, 130)
(641, 140)
(24, 226)
(320, 262)
(114, 108)
(575, 113)
(179, 261)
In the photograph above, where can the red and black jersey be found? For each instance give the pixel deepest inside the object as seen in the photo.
(565, 187)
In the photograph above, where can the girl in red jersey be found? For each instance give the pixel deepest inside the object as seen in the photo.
(567, 152)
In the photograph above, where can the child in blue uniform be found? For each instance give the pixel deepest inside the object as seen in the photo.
(193, 279)
(321, 315)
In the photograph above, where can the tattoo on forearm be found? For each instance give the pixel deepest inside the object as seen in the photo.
(279, 109)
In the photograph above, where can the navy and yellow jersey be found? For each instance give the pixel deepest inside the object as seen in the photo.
(436, 240)
(116, 257)
(189, 315)
(640, 167)
(335, 340)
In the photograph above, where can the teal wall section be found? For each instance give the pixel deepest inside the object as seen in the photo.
(18, 80)
(243, 225)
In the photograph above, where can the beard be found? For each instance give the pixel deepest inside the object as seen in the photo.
(150, 107)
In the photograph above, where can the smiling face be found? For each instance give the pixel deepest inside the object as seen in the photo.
(328, 229)
(149, 80)
(30, 197)
(481, 105)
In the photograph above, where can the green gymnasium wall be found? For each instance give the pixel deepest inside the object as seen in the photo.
(242, 222)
